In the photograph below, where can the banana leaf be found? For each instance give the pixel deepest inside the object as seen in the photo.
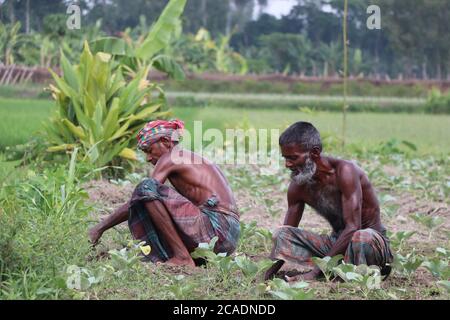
(168, 65)
(112, 45)
(160, 33)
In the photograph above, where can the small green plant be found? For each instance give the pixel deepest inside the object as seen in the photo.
(388, 207)
(269, 204)
(439, 265)
(430, 222)
(399, 238)
(327, 264)
(181, 288)
(284, 291)
(444, 284)
(126, 259)
(224, 263)
(250, 232)
(81, 279)
(251, 268)
(367, 278)
(438, 268)
(408, 264)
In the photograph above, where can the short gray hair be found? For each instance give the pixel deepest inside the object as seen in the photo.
(303, 134)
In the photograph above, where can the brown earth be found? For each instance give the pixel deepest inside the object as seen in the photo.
(106, 196)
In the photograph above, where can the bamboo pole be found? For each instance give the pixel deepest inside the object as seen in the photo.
(345, 106)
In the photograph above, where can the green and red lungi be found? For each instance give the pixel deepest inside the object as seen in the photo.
(195, 224)
(297, 246)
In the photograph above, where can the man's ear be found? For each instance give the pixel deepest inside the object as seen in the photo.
(315, 153)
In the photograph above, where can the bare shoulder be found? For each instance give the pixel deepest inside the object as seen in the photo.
(346, 168)
(294, 193)
(165, 165)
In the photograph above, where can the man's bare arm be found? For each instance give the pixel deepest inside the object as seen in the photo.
(163, 168)
(351, 190)
(118, 216)
(295, 207)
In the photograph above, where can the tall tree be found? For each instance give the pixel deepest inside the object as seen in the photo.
(419, 37)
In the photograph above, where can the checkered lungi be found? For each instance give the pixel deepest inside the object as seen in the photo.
(195, 224)
(297, 246)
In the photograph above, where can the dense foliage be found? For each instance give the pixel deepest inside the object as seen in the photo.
(307, 41)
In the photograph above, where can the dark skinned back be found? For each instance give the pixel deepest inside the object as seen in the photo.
(197, 179)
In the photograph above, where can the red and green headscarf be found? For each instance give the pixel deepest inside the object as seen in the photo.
(155, 130)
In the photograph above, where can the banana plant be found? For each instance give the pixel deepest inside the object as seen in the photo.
(145, 52)
(100, 111)
(225, 59)
(9, 37)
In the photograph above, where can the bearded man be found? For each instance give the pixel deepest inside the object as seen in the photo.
(173, 221)
(339, 191)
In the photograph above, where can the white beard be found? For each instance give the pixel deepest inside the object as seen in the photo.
(304, 173)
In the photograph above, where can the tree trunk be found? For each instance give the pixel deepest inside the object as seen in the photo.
(204, 14)
(27, 17)
(229, 16)
(439, 70)
(424, 70)
(377, 55)
(314, 69)
(12, 16)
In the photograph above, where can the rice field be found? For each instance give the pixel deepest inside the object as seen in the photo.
(22, 118)
(297, 98)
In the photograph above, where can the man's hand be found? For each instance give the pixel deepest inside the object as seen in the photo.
(94, 235)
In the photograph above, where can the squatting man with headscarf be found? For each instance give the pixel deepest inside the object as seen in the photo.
(174, 221)
(339, 191)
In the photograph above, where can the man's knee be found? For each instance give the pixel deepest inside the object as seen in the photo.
(147, 189)
(363, 235)
(282, 232)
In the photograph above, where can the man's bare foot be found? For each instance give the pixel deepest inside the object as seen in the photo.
(302, 277)
(181, 262)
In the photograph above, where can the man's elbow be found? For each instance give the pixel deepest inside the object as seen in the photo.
(350, 229)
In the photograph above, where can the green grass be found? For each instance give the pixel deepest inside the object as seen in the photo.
(274, 98)
(428, 132)
(22, 118)
(294, 101)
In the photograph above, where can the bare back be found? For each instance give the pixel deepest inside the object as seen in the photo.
(197, 179)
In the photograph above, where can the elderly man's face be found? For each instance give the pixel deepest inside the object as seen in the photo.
(299, 162)
(155, 151)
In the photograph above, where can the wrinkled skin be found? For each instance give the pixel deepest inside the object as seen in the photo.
(358, 201)
(192, 176)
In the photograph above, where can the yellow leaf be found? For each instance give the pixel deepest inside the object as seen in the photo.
(54, 89)
(76, 130)
(143, 84)
(127, 153)
(146, 249)
(62, 147)
(104, 57)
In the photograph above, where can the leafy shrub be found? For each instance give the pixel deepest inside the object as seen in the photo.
(43, 231)
(438, 102)
(98, 110)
